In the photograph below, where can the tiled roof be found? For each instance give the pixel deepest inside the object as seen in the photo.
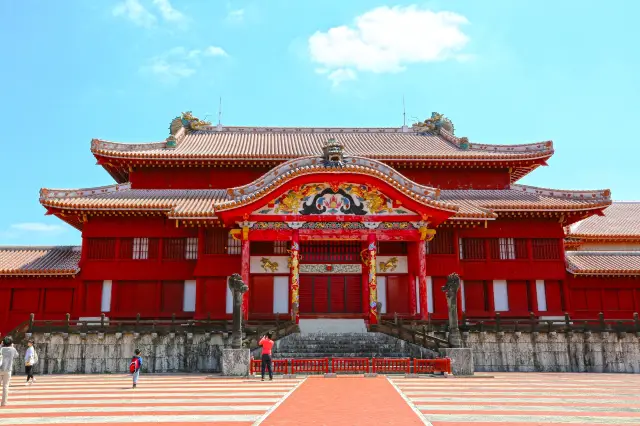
(196, 203)
(621, 221)
(39, 260)
(603, 262)
(250, 143)
(526, 198)
(180, 202)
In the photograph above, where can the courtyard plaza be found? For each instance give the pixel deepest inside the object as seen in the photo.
(485, 399)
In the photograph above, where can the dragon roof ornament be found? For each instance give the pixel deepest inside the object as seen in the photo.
(187, 122)
(333, 152)
(434, 124)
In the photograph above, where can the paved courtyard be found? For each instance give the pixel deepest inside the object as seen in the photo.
(506, 399)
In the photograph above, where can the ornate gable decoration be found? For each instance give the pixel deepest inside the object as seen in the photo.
(334, 199)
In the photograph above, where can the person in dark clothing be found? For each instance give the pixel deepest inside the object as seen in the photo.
(267, 346)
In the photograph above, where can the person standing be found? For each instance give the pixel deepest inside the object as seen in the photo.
(7, 354)
(30, 360)
(267, 346)
(135, 366)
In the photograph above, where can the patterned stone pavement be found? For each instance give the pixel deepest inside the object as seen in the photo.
(527, 399)
(166, 399)
(522, 399)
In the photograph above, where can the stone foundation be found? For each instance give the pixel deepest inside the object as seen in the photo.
(461, 360)
(111, 353)
(555, 352)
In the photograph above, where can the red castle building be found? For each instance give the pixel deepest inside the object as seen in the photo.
(326, 222)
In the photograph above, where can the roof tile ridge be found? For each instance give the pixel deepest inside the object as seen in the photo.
(604, 252)
(597, 194)
(300, 129)
(99, 145)
(463, 143)
(24, 248)
(50, 193)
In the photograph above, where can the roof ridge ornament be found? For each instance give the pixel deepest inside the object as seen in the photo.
(333, 153)
(434, 124)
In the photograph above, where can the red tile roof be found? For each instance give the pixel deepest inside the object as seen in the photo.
(195, 203)
(251, 143)
(603, 262)
(17, 261)
(621, 221)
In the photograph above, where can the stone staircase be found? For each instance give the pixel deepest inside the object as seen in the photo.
(342, 345)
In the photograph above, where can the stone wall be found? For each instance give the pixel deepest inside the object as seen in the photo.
(111, 353)
(555, 352)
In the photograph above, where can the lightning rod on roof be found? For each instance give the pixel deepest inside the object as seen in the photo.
(220, 112)
(404, 113)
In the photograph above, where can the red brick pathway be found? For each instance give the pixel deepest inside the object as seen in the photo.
(349, 401)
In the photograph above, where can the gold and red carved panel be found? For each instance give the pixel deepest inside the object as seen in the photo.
(334, 199)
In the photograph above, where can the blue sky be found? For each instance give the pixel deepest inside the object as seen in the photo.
(504, 71)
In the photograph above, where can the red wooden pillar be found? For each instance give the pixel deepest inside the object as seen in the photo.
(412, 255)
(422, 279)
(199, 313)
(294, 281)
(245, 271)
(372, 281)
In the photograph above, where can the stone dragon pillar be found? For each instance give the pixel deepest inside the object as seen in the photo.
(451, 289)
(238, 290)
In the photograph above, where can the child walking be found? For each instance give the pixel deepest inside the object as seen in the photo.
(30, 359)
(135, 366)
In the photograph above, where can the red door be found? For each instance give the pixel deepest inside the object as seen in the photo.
(261, 294)
(398, 294)
(330, 294)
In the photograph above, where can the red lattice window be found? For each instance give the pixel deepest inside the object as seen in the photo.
(442, 243)
(101, 248)
(472, 249)
(508, 248)
(191, 250)
(234, 247)
(215, 241)
(138, 248)
(330, 251)
(545, 248)
(174, 248)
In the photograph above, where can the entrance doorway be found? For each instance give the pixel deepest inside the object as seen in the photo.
(330, 294)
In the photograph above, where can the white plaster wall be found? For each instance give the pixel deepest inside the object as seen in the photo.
(189, 299)
(500, 295)
(281, 295)
(382, 293)
(541, 295)
(229, 304)
(429, 295)
(464, 304)
(105, 305)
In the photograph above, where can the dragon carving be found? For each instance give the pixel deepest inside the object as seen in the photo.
(390, 265)
(269, 265)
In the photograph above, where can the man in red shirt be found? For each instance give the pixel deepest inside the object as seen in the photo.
(267, 345)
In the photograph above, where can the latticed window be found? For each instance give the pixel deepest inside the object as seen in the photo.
(472, 248)
(233, 246)
(280, 247)
(330, 251)
(174, 248)
(191, 252)
(508, 248)
(442, 243)
(101, 248)
(140, 249)
(545, 248)
(215, 241)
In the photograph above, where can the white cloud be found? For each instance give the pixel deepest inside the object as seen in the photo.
(169, 13)
(386, 40)
(135, 12)
(179, 62)
(235, 15)
(341, 75)
(36, 227)
(215, 51)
